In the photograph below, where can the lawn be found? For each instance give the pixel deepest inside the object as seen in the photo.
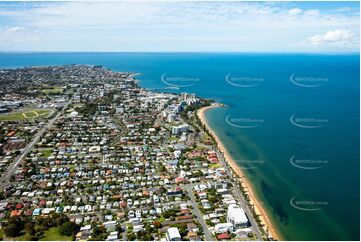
(199, 148)
(23, 237)
(51, 234)
(54, 234)
(43, 112)
(24, 115)
(54, 90)
(215, 165)
(77, 105)
(205, 137)
(46, 152)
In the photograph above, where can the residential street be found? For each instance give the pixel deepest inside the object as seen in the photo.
(207, 234)
(12, 167)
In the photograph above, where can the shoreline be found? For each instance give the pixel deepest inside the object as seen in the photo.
(258, 209)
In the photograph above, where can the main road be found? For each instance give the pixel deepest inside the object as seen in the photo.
(12, 167)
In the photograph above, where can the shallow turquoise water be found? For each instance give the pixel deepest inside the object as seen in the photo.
(292, 125)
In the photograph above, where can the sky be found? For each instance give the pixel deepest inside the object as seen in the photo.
(180, 26)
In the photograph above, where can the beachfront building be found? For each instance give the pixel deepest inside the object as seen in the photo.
(237, 217)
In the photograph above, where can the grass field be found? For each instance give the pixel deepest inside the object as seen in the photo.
(215, 165)
(51, 234)
(54, 90)
(24, 115)
(54, 234)
(46, 152)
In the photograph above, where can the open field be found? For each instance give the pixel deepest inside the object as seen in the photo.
(25, 114)
(54, 90)
(45, 152)
(53, 234)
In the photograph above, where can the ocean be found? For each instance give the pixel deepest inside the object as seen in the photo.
(292, 125)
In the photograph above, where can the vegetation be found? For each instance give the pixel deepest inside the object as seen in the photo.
(46, 152)
(52, 90)
(14, 226)
(53, 227)
(87, 110)
(28, 114)
(170, 213)
(99, 233)
(144, 236)
(68, 228)
(54, 234)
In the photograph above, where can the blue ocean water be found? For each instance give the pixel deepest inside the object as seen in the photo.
(292, 124)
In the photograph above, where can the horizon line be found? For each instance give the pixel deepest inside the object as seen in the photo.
(176, 52)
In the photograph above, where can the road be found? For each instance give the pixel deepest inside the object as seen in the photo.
(12, 167)
(238, 195)
(124, 233)
(236, 191)
(207, 234)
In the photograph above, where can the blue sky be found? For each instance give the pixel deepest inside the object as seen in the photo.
(180, 26)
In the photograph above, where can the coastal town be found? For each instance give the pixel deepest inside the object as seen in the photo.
(87, 154)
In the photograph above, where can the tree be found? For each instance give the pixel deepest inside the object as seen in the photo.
(162, 168)
(149, 229)
(157, 224)
(11, 230)
(61, 219)
(14, 226)
(212, 199)
(30, 228)
(131, 236)
(68, 228)
(183, 229)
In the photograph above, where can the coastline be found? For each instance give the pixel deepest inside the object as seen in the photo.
(258, 209)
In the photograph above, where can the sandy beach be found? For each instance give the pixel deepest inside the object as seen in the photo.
(267, 225)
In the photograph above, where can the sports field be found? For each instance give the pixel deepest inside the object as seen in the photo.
(25, 114)
(54, 90)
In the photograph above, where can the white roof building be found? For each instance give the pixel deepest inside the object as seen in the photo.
(237, 217)
(173, 234)
(223, 227)
(73, 114)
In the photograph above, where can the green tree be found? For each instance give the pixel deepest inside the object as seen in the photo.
(131, 236)
(14, 226)
(61, 219)
(11, 230)
(68, 228)
(30, 228)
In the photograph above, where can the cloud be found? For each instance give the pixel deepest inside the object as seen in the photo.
(333, 36)
(312, 12)
(161, 26)
(294, 11)
(15, 29)
(14, 34)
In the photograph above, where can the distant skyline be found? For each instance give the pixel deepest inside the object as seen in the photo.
(180, 26)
